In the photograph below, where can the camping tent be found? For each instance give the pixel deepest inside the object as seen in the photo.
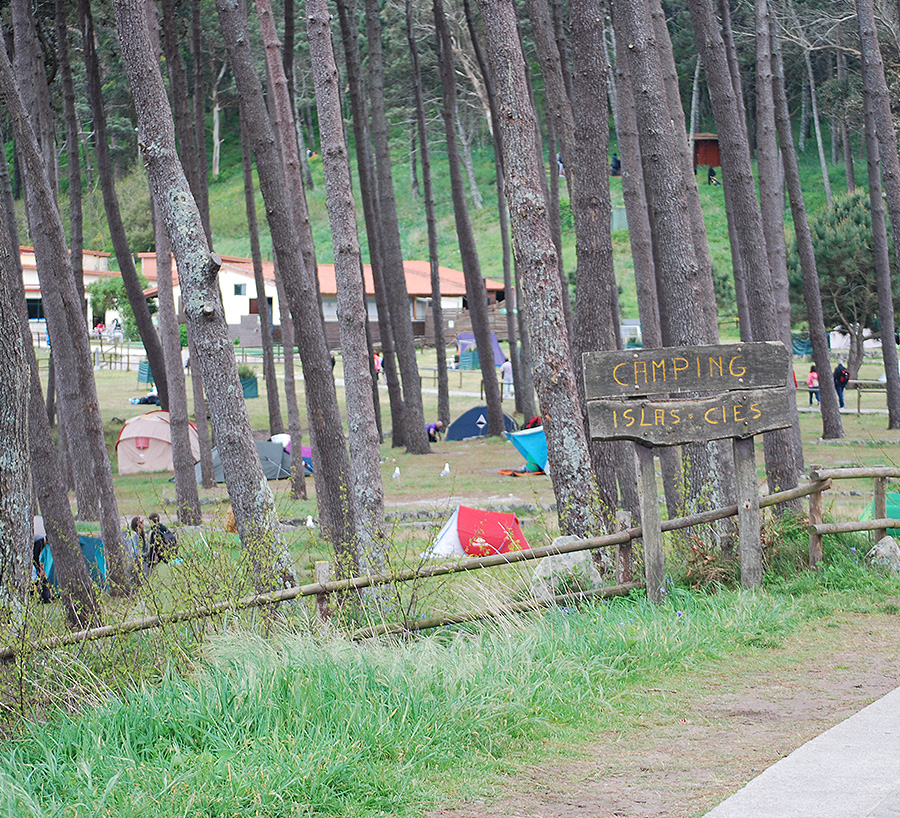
(305, 451)
(466, 340)
(475, 532)
(92, 548)
(145, 443)
(474, 424)
(893, 512)
(276, 462)
(532, 443)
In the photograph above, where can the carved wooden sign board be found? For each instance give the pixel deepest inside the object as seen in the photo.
(633, 395)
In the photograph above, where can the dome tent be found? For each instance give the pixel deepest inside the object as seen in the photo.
(145, 443)
(476, 532)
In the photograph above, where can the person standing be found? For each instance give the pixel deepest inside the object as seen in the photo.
(506, 373)
(812, 384)
(841, 378)
(616, 165)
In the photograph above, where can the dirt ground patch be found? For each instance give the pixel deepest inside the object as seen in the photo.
(697, 740)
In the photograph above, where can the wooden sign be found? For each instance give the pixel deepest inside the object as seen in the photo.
(751, 397)
(675, 422)
(633, 373)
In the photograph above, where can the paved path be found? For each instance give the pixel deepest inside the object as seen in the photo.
(850, 771)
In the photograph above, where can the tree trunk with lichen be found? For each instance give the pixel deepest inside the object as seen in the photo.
(251, 499)
(570, 466)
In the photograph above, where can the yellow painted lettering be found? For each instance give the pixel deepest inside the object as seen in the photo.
(738, 417)
(639, 367)
(659, 417)
(675, 414)
(699, 374)
(724, 415)
(661, 365)
(676, 369)
(731, 369)
(708, 418)
(615, 419)
(615, 375)
(757, 412)
(628, 414)
(643, 418)
(713, 363)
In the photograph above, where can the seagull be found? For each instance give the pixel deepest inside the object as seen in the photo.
(396, 473)
(309, 522)
(446, 470)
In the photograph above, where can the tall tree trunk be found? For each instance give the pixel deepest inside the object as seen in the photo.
(367, 492)
(682, 285)
(16, 511)
(771, 197)
(251, 499)
(276, 427)
(475, 288)
(130, 279)
(465, 151)
(524, 394)
(65, 322)
(695, 105)
(73, 162)
(642, 252)
(570, 466)
(77, 590)
(414, 432)
(295, 427)
(780, 446)
(414, 190)
(846, 142)
(883, 161)
(201, 416)
(329, 445)
(288, 63)
(369, 195)
(200, 119)
(437, 310)
(812, 296)
(187, 500)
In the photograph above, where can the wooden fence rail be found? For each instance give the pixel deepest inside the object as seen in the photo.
(880, 475)
(321, 589)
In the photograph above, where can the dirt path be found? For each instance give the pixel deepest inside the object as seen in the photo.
(696, 740)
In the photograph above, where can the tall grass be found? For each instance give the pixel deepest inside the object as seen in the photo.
(298, 726)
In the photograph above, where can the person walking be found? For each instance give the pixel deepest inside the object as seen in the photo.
(841, 378)
(506, 373)
(812, 384)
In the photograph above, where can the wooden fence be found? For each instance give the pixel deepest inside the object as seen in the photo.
(324, 587)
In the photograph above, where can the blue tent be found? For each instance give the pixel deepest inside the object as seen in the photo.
(532, 443)
(466, 341)
(474, 424)
(92, 548)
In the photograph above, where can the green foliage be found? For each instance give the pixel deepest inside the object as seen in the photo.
(245, 372)
(845, 258)
(109, 294)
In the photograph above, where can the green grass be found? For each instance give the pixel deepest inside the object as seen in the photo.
(295, 725)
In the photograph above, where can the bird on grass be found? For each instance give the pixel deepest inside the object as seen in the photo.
(309, 522)
(396, 473)
(446, 470)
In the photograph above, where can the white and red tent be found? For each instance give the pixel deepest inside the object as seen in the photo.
(475, 532)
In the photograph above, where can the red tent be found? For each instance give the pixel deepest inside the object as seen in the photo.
(475, 532)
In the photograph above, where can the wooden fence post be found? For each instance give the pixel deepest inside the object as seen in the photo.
(323, 575)
(815, 518)
(748, 513)
(654, 559)
(879, 507)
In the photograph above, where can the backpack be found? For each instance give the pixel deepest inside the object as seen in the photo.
(844, 376)
(167, 545)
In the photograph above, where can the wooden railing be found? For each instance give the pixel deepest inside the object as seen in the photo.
(880, 521)
(324, 587)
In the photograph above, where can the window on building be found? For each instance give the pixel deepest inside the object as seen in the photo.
(240, 289)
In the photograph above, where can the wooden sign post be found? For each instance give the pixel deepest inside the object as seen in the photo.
(637, 395)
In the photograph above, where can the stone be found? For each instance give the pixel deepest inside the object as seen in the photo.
(885, 554)
(565, 573)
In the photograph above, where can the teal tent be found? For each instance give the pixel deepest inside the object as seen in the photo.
(532, 443)
(893, 512)
(92, 548)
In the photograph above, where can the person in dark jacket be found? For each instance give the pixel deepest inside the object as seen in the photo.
(841, 378)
